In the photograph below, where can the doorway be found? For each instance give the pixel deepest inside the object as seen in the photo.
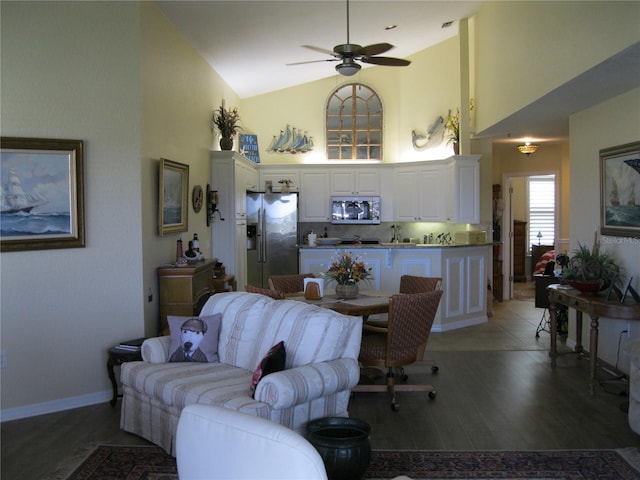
(517, 207)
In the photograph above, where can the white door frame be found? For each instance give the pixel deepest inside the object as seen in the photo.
(507, 223)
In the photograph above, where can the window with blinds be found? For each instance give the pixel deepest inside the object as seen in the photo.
(542, 210)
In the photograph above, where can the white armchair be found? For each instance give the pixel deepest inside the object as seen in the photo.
(218, 443)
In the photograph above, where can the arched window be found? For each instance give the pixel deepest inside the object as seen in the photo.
(354, 124)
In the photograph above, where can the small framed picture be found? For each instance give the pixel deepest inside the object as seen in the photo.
(42, 204)
(173, 197)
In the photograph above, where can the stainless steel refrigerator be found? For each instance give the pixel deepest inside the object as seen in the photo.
(272, 236)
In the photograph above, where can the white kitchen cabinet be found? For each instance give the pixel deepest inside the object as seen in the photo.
(275, 174)
(463, 192)
(314, 198)
(419, 192)
(231, 176)
(359, 181)
(465, 288)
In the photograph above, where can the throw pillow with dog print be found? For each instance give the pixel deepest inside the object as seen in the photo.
(194, 339)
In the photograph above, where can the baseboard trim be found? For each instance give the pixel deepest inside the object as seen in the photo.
(468, 322)
(54, 406)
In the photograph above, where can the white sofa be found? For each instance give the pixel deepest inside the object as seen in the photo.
(216, 443)
(322, 348)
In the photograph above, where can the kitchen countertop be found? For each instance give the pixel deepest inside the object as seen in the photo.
(393, 246)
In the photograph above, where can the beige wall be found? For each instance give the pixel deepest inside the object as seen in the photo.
(525, 49)
(72, 70)
(608, 124)
(413, 97)
(180, 92)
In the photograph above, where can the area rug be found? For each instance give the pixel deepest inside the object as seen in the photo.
(114, 462)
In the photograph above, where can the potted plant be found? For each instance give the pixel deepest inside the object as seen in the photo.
(590, 270)
(226, 122)
(347, 271)
(453, 127)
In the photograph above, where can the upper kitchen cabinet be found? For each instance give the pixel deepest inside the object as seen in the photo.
(349, 181)
(463, 180)
(419, 192)
(314, 195)
(275, 174)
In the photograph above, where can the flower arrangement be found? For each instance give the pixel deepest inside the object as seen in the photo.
(286, 181)
(347, 270)
(453, 124)
(226, 121)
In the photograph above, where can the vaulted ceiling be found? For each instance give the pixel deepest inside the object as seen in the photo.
(250, 43)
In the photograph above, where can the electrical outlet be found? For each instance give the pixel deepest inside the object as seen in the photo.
(3, 359)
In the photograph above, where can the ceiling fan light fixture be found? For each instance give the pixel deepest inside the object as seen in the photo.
(528, 148)
(348, 68)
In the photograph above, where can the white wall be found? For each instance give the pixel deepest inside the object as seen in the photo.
(611, 123)
(72, 70)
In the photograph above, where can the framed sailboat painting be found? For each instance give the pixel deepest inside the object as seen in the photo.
(620, 190)
(42, 203)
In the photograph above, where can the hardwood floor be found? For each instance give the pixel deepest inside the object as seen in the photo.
(496, 391)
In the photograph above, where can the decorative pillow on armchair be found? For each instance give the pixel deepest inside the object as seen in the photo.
(194, 339)
(272, 362)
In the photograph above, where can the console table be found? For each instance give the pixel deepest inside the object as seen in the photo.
(595, 306)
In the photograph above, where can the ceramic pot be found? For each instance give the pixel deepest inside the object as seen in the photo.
(285, 188)
(347, 291)
(343, 444)
(587, 288)
(226, 143)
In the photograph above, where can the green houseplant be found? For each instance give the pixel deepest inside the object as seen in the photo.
(590, 270)
(226, 122)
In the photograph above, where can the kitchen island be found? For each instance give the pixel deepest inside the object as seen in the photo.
(464, 270)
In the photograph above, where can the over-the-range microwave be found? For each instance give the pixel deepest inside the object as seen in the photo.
(350, 210)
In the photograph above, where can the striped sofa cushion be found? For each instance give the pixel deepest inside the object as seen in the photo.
(252, 324)
(182, 384)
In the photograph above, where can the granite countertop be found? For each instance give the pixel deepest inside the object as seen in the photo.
(394, 245)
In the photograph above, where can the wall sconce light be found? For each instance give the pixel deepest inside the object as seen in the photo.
(212, 205)
(527, 148)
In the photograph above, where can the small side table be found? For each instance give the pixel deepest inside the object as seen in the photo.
(118, 356)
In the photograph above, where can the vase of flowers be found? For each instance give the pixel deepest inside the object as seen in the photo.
(347, 271)
(226, 123)
(453, 127)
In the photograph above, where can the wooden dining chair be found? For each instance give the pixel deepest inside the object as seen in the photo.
(289, 283)
(415, 284)
(402, 343)
(275, 294)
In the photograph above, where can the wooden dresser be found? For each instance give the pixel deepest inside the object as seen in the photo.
(519, 250)
(184, 290)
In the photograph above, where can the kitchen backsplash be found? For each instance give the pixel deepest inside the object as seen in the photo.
(384, 231)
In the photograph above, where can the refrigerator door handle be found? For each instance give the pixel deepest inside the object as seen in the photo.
(259, 236)
(263, 240)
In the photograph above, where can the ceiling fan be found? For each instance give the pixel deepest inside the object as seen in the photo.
(348, 53)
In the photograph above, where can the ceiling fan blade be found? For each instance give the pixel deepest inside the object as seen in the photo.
(386, 61)
(376, 49)
(313, 61)
(318, 49)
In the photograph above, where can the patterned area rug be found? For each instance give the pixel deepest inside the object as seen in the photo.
(152, 463)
